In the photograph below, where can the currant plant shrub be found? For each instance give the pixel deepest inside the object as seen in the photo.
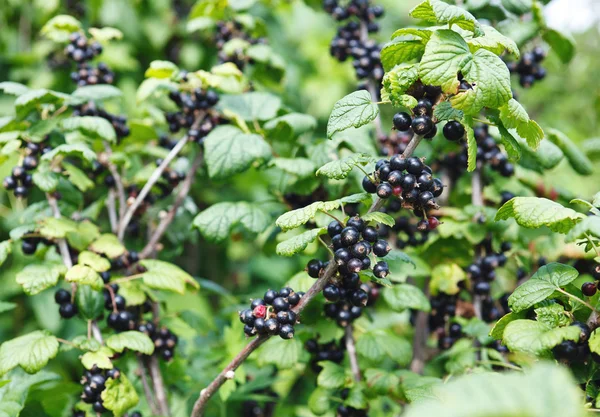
(182, 235)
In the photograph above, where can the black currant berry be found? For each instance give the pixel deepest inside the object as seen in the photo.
(285, 292)
(408, 182)
(381, 269)
(566, 350)
(381, 248)
(272, 326)
(342, 255)
(453, 130)
(367, 185)
(350, 236)
(28, 247)
(67, 310)
(414, 165)
(589, 289)
(30, 162)
(280, 304)
(334, 228)
(257, 302)
(384, 190)
(402, 121)
(9, 183)
(356, 222)
(359, 298)
(431, 134)
(423, 108)
(260, 326)
(331, 293)
(62, 296)
(354, 265)
(286, 331)
(482, 288)
(21, 191)
(370, 234)
(421, 125)
(395, 178)
(397, 163)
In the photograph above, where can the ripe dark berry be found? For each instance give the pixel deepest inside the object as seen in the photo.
(342, 256)
(453, 130)
(384, 172)
(359, 298)
(350, 236)
(408, 182)
(336, 242)
(421, 125)
(381, 248)
(331, 293)
(62, 296)
(97, 383)
(397, 163)
(482, 288)
(18, 172)
(30, 162)
(286, 331)
(585, 331)
(271, 295)
(414, 165)
(360, 249)
(589, 289)
(9, 183)
(280, 304)
(114, 373)
(334, 228)
(285, 292)
(294, 298)
(354, 265)
(431, 134)
(356, 222)
(21, 191)
(367, 185)
(426, 198)
(423, 108)
(395, 178)
(425, 181)
(28, 247)
(384, 190)
(67, 310)
(381, 269)
(259, 327)
(257, 302)
(455, 330)
(566, 350)
(402, 121)
(370, 234)
(272, 326)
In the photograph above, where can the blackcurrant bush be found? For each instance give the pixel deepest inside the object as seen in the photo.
(453, 130)
(402, 121)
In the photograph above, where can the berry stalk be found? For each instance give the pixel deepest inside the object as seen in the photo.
(351, 349)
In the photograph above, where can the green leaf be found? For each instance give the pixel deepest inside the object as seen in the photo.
(94, 127)
(594, 341)
(490, 79)
(562, 44)
(438, 12)
(398, 80)
(119, 395)
(133, 292)
(356, 397)
(493, 41)
(471, 143)
(404, 296)
(547, 156)
(84, 275)
(132, 340)
(497, 331)
(553, 315)
(341, 168)
(301, 167)
(354, 110)
(5, 250)
(543, 391)
(31, 352)
(105, 34)
(445, 55)
(6, 306)
(99, 358)
(95, 93)
(251, 106)
(77, 177)
(60, 27)
(518, 7)
(162, 275)
(534, 212)
(56, 228)
(577, 159)
(282, 353)
(298, 243)
(15, 390)
(541, 285)
(534, 337)
(445, 111)
(332, 375)
(229, 151)
(79, 149)
(514, 116)
(369, 346)
(379, 217)
(94, 261)
(400, 51)
(295, 218)
(590, 225)
(86, 233)
(90, 302)
(29, 101)
(290, 125)
(382, 382)
(445, 279)
(217, 222)
(109, 245)
(161, 69)
(12, 88)
(45, 179)
(319, 401)
(35, 278)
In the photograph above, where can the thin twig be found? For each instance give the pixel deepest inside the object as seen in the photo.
(168, 218)
(112, 210)
(148, 186)
(351, 349)
(574, 297)
(146, 386)
(118, 181)
(159, 386)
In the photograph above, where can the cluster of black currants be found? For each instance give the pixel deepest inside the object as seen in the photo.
(120, 319)
(482, 273)
(164, 340)
(412, 233)
(29, 244)
(272, 314)
(119, 123)
(394, 143)
(265, 408)
(488, 152)
(94, 382)
(68, 309)
(570, 351)
(296, 201)
(171, 176)
(529, 68)
(366, 55)
(409, 179)
(227, 31)
(81, 50)
(331, 351)
(361, 9)
(197, 104)
(353, 245)
(346, 411)
(20, 181)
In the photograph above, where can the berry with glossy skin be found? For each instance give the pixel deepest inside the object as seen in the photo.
(28, 247)
(350, 236)
(114, 373)
(272, 326)
(453, 131)
(257, 302)
(67, 310)
(9, 183)
(426, 198)
(589, 289)
(367, 185)
(433, 222)
(384, 190)
(381, 248)
(294, 298)
(21, 191)
(414, 165)
(331, 293)
(62, 296)
(584, 335)
(334, 228)
(342, 255)
(397, 163)
(455, 330)
(280, 304)
(259, 326)
(370, 234)
(286, 331)
(482, 288)
(566, 350)
(381, 269)
(271, 295)
(359, 298)
(431, 134)
(18, 172)
(356, 222)
(247, 317)
(421, 125)
(402, 121)
(285, 292)
(423, 108)
(395, 178)
(354, 265)
(30, 162)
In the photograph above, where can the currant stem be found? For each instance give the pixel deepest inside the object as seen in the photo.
(574, 297)
(118, 181)
(351, 349)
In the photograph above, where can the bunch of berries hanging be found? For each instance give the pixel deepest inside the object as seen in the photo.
(529, 68)
(82, 50)
(94, 382)
(230, 31)
(195, 113)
